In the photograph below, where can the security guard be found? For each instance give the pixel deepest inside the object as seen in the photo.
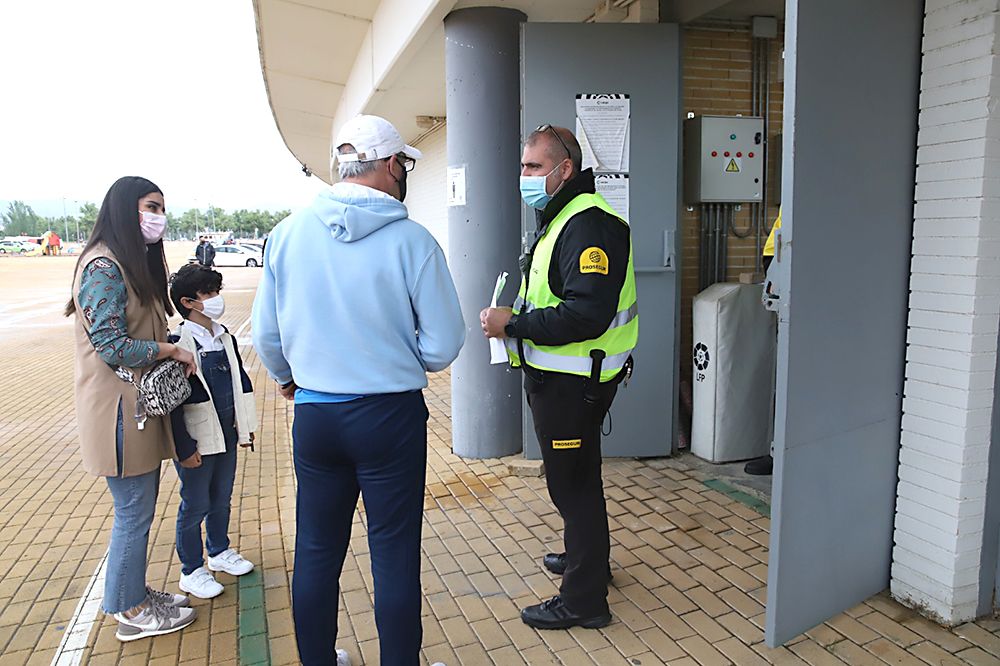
(764, 465)
(572, 329)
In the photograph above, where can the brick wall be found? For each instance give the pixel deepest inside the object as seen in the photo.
(716, 70)
(954, 306)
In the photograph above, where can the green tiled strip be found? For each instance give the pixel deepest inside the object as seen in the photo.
(760, 506)
(254, 650)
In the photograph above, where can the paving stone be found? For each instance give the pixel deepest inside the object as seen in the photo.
(690, 563)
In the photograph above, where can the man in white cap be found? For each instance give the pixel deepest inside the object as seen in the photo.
(355, 306)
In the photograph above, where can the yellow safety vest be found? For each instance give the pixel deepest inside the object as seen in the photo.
(622, 335)
(769, 245)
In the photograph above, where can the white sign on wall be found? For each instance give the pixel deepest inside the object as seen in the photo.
(602, 128)
(614, 188)
(456, 186)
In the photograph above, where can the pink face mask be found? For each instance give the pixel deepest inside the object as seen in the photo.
(152, 226)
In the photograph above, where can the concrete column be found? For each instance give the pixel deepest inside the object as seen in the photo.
(944, 559)
(482, 69)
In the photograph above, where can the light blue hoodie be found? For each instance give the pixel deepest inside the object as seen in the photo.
(355, 298)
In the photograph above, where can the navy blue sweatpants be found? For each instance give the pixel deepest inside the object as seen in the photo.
(376, 446)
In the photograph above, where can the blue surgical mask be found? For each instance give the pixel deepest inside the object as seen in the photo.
(533, 190)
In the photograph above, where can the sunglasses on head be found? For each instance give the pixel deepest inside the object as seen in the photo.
(549, 128)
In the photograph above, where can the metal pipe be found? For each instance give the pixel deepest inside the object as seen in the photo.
(767, 152)
(717, 247)
(702, 248)
(727, 222)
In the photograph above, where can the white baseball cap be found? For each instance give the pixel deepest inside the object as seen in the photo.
(373, 138)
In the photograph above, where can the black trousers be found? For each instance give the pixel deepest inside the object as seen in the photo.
(569, 434)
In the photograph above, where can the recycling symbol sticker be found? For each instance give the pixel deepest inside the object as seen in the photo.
(701, 356)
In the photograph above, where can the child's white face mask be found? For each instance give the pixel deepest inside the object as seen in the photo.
(213, 307)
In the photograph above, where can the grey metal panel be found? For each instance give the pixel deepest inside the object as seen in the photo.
(848, 179)
(643, 60)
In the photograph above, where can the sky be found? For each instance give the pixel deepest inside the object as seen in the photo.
(171, 91)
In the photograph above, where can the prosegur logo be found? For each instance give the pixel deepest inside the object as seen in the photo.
(594, 260)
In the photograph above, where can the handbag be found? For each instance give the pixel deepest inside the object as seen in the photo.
(161, 390)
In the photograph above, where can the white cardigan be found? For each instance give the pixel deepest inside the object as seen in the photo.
(201, 419)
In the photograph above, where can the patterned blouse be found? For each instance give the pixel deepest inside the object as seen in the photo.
(103, 298)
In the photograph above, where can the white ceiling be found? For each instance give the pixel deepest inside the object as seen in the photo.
(309, 49)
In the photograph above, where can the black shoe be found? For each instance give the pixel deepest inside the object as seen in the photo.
(760, 466)
(556, 563)
(553, 614)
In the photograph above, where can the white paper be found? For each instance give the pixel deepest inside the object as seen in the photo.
(614, 187)
(498, 351)
(603, 129)
(456, 186)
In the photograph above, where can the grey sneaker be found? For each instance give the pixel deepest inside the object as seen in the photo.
(154, 620)
(167, 599)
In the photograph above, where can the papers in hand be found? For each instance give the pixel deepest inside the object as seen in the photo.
(498, 352)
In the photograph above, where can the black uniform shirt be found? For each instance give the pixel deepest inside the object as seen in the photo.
(590, 297)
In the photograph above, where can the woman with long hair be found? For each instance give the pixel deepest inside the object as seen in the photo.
(121, 306)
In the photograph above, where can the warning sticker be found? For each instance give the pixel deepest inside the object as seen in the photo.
(732, 166)
(566, 443)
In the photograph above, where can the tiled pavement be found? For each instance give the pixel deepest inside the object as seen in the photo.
(690, 555)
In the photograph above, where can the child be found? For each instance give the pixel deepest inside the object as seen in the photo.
(207, 428)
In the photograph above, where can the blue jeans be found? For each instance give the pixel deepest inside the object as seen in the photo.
(206, 491)
(135, 504)
(376, 446)
(206, 494)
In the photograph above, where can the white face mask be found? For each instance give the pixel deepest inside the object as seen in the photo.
(152, 226)
(214, 307)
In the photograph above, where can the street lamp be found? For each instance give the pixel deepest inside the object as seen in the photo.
(65, 221)
(77, 218)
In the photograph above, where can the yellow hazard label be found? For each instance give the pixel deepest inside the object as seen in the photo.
(594, 260)
(566, 443)
(732, 167)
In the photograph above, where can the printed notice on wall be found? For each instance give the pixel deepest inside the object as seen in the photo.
(456, 186)
(614, 188)
(602, 127)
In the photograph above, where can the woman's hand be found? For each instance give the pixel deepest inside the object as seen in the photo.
(186, 358)
(192, 461)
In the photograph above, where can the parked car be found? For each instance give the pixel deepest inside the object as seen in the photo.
(12, 247)
(238, 255)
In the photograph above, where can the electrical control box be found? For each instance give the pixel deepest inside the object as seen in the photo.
(723, 159)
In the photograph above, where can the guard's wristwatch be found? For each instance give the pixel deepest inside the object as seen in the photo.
(508, 330)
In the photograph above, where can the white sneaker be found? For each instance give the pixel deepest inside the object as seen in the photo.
(343, 659)
(201, 583)
(167, 598)
(231, 562)
(153, 620)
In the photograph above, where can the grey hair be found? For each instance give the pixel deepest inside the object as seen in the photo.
(353, 169)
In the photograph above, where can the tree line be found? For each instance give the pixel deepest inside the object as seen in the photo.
(20, 220)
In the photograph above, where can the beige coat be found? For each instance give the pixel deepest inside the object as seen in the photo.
(99, 391)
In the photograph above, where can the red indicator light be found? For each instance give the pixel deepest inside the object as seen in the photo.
(726, 153)
(715, 154)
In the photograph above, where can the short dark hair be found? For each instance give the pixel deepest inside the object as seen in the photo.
(189, 281)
